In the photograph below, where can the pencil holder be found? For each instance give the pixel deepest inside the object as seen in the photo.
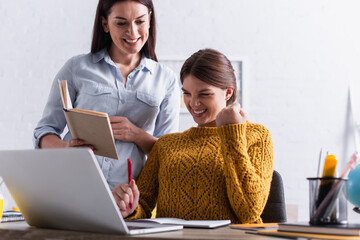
(327, 202)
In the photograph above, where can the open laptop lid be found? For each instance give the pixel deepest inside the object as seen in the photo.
(63, 189)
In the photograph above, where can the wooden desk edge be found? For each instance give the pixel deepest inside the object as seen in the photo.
(21, 230)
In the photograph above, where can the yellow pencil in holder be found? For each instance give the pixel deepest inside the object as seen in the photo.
(328, 172)
(1, 207)
(329, 166)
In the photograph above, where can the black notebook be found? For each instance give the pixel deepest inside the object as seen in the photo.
(350, 229)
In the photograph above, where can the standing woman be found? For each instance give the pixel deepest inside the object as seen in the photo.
(121, 77)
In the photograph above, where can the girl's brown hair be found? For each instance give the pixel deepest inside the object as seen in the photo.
(101, 39)
(211, 67)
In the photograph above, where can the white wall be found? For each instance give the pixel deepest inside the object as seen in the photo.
(299, 57)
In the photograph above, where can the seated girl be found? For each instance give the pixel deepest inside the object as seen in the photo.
(221, 169)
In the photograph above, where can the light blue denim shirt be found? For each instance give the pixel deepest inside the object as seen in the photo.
(150, 100)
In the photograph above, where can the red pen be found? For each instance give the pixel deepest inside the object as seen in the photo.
(130, 176)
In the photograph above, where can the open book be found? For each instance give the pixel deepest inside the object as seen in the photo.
(92, 127)
(186, 223)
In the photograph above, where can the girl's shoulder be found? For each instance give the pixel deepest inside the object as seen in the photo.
(257, 131)
(256, 127)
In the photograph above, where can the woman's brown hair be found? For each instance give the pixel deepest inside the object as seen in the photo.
(211, 67)
(101, 39)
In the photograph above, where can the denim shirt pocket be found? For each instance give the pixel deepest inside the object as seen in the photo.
(144, 111)
(148, 99)
(95, 97)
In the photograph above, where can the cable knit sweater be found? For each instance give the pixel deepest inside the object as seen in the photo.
(208, 173)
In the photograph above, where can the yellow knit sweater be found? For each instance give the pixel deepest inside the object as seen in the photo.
(208, 173)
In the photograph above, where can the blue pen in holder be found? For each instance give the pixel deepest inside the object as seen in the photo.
(328, 204)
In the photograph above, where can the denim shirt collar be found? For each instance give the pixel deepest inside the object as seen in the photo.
(145, 63)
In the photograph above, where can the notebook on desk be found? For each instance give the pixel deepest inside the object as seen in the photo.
(187, 223)
(65, 189)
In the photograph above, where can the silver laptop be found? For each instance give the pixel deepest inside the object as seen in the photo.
(65, 189)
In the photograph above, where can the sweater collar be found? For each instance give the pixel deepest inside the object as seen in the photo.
(202, 131)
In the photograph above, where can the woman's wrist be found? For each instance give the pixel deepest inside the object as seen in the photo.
(52, 141)
(144, 140)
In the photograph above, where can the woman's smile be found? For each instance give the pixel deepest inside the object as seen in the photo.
(132, 42)
(198, 112)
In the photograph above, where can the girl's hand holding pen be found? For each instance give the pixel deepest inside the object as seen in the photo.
(231, 114)
(125, 194)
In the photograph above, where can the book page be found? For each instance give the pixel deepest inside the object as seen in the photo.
(187, 223)
(166, 220)
(64, 93)
(68, 100)
(101, 114)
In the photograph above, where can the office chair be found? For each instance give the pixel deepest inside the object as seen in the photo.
(275, 210)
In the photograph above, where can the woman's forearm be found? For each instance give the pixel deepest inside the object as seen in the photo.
(51, 141)
(145, 141)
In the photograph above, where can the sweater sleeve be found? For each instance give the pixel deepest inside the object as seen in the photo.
(248, 163)
(148, 186)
